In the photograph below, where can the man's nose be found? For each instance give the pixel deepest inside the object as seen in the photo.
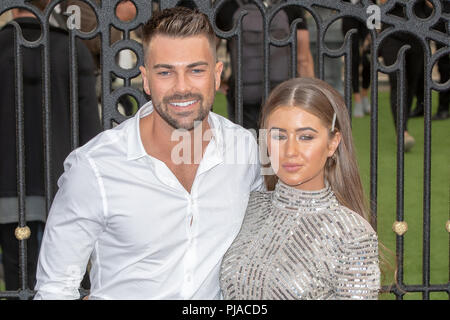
(182, 83)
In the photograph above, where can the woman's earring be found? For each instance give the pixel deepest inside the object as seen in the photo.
(333, 159)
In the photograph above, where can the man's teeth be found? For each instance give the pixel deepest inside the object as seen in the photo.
(183, 104)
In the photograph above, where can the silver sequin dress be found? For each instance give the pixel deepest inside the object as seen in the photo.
(296, 244)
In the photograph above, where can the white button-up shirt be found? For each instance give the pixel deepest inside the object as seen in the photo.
(146, 236)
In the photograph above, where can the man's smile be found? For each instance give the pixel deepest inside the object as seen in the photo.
(184, 104)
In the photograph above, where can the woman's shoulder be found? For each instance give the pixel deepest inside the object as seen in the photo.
(258, 209)
(259, 200)
(351, 225)
(261, 196)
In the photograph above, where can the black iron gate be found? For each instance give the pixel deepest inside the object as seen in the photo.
(365, 11)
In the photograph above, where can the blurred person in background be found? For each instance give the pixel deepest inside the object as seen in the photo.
(252, 59)
(89, 126)
(414, 62)
(360, 56)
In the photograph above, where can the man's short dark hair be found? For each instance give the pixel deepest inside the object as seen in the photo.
(178, 22)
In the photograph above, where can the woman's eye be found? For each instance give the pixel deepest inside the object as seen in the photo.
(278, 137)
(306, 137)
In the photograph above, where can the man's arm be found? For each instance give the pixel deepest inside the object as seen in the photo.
(75, 221)
(305, 62)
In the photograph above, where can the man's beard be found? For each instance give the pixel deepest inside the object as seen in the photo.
(163, 110)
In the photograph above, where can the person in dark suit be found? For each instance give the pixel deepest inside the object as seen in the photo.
(89, 126)
(361, 104)
(414, 59)
(444, 74)
(442, 112)
(305, 63)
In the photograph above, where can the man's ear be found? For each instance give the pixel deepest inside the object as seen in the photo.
(145, 80)
(218, 73)
(334, 143)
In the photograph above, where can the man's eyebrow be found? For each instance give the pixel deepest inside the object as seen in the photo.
(162, 65)
(298, 129)
(169, 66)
(197, 64)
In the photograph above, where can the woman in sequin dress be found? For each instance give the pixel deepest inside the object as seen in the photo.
(309, 237)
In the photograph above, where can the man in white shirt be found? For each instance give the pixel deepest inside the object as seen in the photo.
(150, 204)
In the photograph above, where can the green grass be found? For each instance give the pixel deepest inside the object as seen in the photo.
(220, 105)
(413, 190)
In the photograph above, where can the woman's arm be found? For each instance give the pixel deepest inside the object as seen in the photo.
(357, 273)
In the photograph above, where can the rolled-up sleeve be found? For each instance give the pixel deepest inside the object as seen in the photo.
(75, 221)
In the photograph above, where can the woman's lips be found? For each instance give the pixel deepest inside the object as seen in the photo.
(291, 167)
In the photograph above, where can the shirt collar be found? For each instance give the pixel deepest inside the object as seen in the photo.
(136, 149)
